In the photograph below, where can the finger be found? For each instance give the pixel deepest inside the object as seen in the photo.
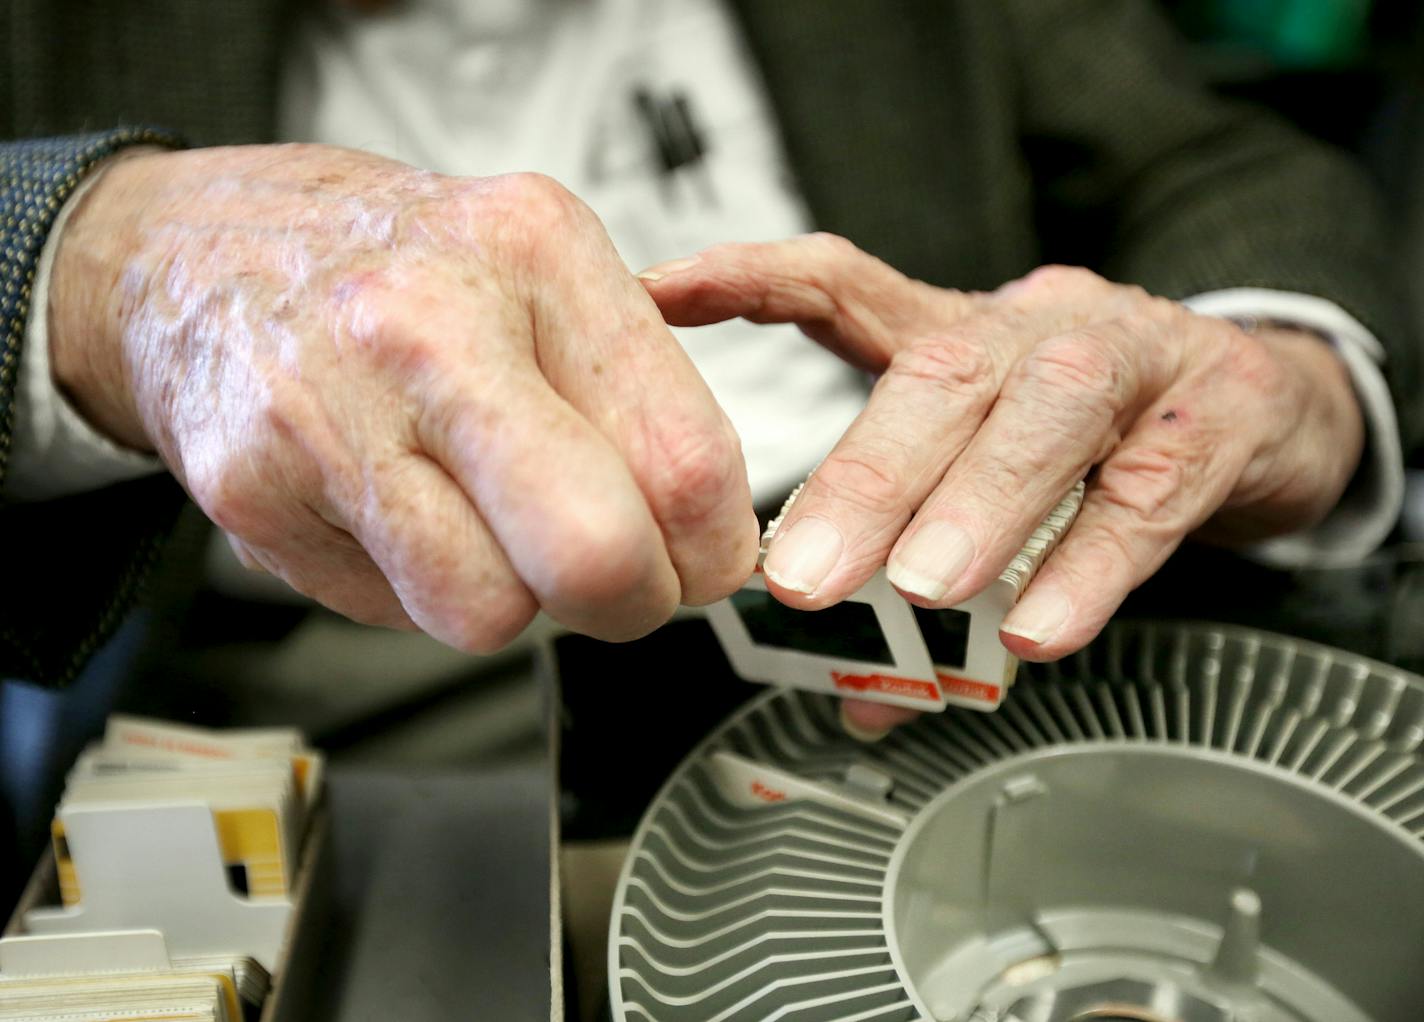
(847, 300)
(440, 558)
(869, 722)
(327, 564)
(259, 499)
(923, 413)
(605, 349)
(1061, 410)
(1170, 474)
(557, 497)
(245, 557)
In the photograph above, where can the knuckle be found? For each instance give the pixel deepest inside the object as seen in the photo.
(1054, 280)
(542, 199)
(377, 606)
(1156, 310)
(435, 558)
(961, 365)
(461, 420)
(536, 212)
(599, 562)
(401, 346)
(693, 471)
(490, 627)
(345, 583)
(1133, 299)
(254, 482)
(444, 422)
(279, 417)
(1145, 482)
(1084, 364)
(230, 496)
(715, 578)
(859, 476)
(244, 554)
(1096, 563)
(1143, 322)
(832, 246)
(999, 484)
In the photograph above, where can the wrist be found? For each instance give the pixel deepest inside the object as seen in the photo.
(1328, 393)
(88, 290)
(1298, 478)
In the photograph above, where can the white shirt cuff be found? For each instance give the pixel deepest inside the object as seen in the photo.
(54, 452)
(1371, 506)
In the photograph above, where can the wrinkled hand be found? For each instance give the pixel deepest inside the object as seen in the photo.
(416, 398)
(989, 407)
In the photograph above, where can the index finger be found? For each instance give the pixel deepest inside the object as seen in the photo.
(841, 297)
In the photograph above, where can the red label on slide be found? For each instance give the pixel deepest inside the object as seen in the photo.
(964, 688)
(888, 684)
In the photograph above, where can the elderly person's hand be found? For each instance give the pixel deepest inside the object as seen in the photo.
(416, 398)
(989, 407)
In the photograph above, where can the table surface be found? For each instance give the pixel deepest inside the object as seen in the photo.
(439, 907)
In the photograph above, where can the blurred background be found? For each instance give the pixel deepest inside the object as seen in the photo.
(232, 649)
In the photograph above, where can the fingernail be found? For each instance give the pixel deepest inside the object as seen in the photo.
(859, 733)
(653, 274)
(801, 558)
(1038, 616)
(932, 560)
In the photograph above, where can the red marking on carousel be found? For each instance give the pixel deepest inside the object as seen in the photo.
(766, 794)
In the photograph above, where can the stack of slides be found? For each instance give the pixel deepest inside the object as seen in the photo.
(177, 852)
